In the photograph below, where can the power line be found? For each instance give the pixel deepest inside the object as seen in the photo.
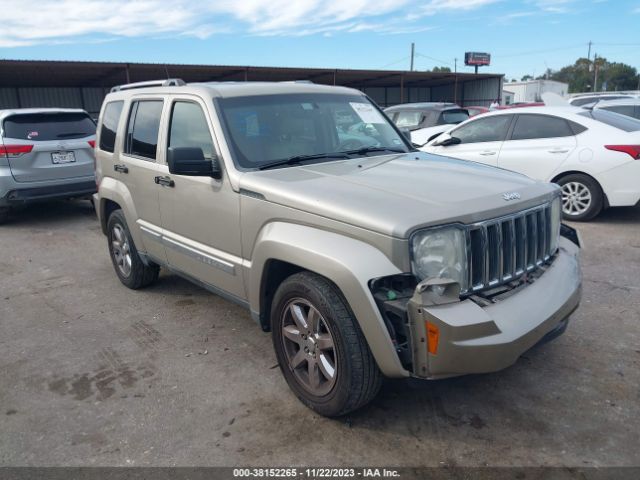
(396, 62)
(433, 59)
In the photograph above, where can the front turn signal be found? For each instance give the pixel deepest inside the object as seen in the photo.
(433, 336)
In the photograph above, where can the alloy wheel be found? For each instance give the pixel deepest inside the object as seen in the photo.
(121, 250)
(309, 347)
(576, 198)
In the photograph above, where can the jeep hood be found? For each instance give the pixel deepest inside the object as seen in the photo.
(396, 194)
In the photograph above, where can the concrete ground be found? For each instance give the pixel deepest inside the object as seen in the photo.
(92, 373)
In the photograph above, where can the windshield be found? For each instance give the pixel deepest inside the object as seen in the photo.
(49, 126)
(266, 128)
(612, 119)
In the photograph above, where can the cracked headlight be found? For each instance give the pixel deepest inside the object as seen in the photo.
(440, 253)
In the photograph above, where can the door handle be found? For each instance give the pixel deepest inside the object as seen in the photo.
(488, 152)
(164, 181)
(559, 150)
(121, 168)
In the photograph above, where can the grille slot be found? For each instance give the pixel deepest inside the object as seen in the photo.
(501, 250)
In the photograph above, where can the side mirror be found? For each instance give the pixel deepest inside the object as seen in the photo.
(191, 161)
(444, 140)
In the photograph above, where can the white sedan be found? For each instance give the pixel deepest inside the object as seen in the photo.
(594, 155)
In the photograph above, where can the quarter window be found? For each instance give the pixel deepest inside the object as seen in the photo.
(488, 129)
(110, 120)
(189, 128)
(540, 126)
(143, 128)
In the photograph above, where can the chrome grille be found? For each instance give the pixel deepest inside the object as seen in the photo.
(503, 249)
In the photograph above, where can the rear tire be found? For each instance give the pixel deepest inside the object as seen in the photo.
(315, 334)
(129, 267)
(582, 197)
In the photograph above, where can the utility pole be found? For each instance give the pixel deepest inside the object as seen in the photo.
(595, 68)
(413, 49)
(455, 65)
(589, 52)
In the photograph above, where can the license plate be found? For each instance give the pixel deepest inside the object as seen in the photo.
(63, 157)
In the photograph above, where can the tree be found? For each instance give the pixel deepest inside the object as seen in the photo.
(618, 76)
(581, 75)
(526, 78)
(441, 70)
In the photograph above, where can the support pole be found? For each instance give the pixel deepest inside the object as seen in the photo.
(413, 46)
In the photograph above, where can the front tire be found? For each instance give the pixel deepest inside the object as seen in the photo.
(321, 350)
(582, 197)
(129, 267)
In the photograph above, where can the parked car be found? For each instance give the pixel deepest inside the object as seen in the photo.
(426, 120)
(363, 263)
(592, 155)
(624, 106)
(521, 105)
(580, 100)
(476, 110)
(45, 153)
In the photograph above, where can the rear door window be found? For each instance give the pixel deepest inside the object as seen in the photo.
(143, 128)
(39, 127)
(487, 129)
(529, 126)
(110, 120)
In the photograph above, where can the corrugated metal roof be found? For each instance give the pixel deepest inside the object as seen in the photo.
(41, 73)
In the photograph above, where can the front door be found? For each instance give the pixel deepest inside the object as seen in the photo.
(200, 215)
(480, 140)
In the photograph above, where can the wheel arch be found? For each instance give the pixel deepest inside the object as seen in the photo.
(283, 249)
(558, 176)
(114, 194)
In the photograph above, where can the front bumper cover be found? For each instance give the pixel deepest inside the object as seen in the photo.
(482, 339)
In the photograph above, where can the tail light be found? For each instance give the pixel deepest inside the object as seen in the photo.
(632, 150)
(92, 143)
(15, 150)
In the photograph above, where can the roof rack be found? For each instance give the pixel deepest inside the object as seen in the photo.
(169, 82)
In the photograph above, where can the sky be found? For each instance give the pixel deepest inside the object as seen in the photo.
(523, 37)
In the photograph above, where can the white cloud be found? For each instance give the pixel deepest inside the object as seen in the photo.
(32, 22)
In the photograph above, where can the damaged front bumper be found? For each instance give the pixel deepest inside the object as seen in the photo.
(478, 335)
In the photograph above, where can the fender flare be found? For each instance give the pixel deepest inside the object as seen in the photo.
(116, 191)
(347, 262)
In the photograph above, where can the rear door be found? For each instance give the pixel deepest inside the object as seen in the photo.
(538, 145)
(49, 145)
(480, 139)
(140, 161)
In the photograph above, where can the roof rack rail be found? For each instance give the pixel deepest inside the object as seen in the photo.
(169, 82)
(296, 81)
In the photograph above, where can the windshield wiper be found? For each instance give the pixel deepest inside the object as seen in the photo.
(296, 159)
(363, 150)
